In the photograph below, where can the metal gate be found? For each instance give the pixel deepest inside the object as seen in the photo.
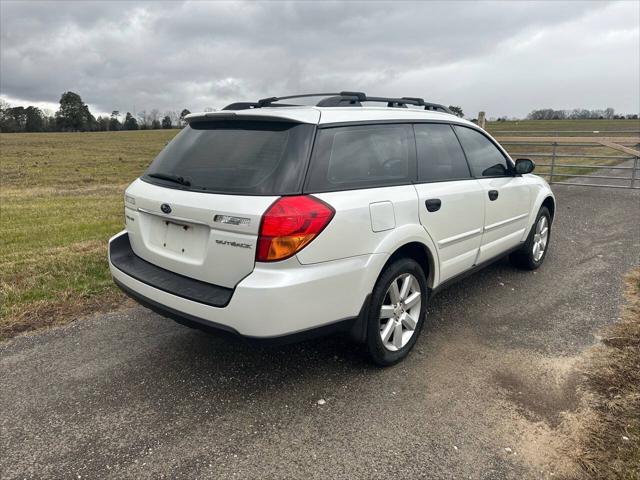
(585, 160)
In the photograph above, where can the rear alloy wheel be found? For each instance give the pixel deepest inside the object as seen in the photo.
(398, 308)
(532, 253)
(400, 312)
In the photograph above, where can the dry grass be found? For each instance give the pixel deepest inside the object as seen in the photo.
(68, 306)
(609, 447)
(580, 416)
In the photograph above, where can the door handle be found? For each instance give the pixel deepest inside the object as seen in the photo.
(493, 195)
(433, 204)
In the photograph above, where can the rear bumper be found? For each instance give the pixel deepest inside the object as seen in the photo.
(123, 258)
(276, 300)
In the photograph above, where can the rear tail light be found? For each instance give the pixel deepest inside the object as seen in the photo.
(289, 224)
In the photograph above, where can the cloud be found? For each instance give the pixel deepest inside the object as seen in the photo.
(503, 57)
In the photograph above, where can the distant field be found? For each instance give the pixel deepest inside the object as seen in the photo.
(62, 198)
(549, 127)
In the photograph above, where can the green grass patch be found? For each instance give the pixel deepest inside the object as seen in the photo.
(60, 201)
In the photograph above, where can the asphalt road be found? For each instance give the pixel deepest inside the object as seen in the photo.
(131, 394)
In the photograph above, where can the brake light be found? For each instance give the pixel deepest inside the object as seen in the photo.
(289, 224)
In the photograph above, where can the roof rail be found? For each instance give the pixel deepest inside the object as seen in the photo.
(341, 99)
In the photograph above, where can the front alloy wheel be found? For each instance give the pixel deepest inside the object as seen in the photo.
(532, 253)
(540, 238)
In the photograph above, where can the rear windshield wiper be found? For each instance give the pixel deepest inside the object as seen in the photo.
(171, 178)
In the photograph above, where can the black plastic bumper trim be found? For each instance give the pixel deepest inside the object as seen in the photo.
(124, 259)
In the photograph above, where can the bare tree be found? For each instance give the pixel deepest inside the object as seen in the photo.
(173, 115)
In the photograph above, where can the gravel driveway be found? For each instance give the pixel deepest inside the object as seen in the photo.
(131, 394)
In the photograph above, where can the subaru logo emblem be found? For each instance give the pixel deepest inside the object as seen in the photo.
(165, 207)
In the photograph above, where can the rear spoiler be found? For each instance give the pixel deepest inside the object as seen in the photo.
(230, 115)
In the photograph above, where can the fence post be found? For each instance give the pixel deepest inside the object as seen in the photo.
(482, 120)
(633, 172)
(553, 161)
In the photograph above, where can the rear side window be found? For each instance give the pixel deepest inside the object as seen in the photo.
(237, 156)
(362, 156)
(484, 157)
(439, 154)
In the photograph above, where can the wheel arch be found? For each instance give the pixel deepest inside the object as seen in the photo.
(419, 252)
(542, 197)
(414, 241)
(550, 203)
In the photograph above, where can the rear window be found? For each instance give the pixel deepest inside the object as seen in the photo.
(362, 156)
(236, 156)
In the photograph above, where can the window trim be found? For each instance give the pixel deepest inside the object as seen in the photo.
(412, 173)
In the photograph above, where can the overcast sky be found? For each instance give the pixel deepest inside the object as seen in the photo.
(505, 57)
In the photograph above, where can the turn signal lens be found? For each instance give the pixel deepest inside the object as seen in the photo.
(289, 224)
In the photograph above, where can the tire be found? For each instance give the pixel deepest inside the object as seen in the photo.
(410, 311)
(528, 257)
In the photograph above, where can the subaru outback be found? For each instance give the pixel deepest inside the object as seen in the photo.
(279, 222)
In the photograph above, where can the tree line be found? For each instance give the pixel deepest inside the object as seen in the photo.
(74, 116)
(578, 114)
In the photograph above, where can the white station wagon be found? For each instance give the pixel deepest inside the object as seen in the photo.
(280, 222)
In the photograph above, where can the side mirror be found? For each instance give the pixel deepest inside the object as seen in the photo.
(524, 166)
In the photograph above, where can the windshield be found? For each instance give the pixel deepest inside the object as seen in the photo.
(235, 156)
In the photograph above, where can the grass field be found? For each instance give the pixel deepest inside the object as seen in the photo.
(549, 127)
(61, 198)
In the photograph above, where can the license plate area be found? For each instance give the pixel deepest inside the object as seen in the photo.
(176, 239)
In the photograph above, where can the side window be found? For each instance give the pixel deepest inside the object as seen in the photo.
(484, 157)
(362, 156)
(439, 154)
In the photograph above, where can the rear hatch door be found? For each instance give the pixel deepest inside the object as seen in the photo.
(196, 211)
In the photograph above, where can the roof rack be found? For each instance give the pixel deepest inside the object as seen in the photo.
(340, 99)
